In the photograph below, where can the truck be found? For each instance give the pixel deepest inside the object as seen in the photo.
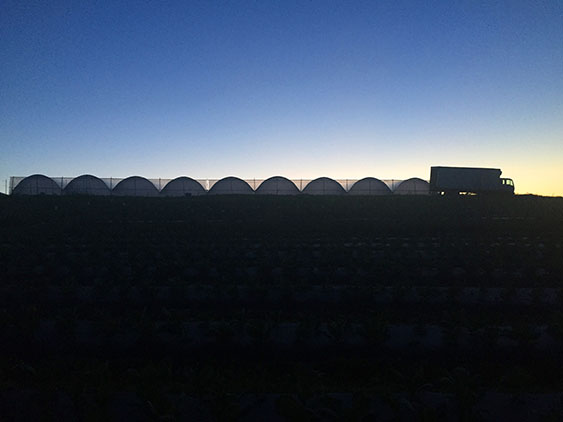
(469, 180)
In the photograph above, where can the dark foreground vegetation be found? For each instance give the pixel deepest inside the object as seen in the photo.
(281, 308)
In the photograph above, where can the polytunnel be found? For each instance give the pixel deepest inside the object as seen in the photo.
(182, 186)
(87, 185)
(413, 186)
(135, 186)
(277, 185)
(37, 184)
(369, 186)
(324, 186)
(231, 186)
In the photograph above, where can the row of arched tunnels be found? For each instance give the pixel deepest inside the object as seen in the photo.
(185, 186)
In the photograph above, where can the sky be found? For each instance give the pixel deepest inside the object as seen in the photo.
(303, 89)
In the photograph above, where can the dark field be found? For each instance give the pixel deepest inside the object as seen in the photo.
(281, 308)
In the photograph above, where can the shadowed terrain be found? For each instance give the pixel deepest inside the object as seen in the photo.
(294, 308)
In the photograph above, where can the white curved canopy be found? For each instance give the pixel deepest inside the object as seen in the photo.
(182, 186)
(37, 184)
(87, 185)
(324, 186)
(277, 185)
(135, 186)
(369, 186)
(413, 186)
(231, 186)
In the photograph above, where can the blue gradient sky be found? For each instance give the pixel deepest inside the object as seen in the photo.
(297, 88)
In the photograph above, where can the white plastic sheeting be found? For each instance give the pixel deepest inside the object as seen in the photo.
(87, 185)
(231, 186)
(413, 186)
(37, 184)
(369, 186)
(185, 186)
(135, 186)
(182, 186)
(277, 185)
(324, 186)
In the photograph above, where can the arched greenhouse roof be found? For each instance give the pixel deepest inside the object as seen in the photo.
(324, 186)
(135, 186)
(277, 185)
(231, 186)
(369, 186)
(37, 184)
(87, 185)
(182, 186)
(413, 186)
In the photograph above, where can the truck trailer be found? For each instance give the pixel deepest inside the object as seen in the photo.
(470, 180)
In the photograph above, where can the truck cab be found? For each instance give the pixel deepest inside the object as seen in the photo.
(507, 184)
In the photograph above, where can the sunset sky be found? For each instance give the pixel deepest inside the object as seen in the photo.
(345, 89)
